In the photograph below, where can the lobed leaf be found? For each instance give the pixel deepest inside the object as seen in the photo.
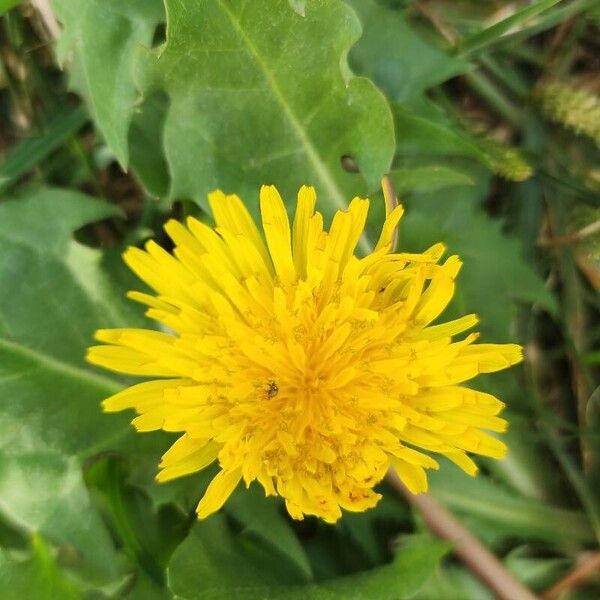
(102, 37)
(256, 97)
(395, 57)
(54, 294)
(214, 563)
(495, 276)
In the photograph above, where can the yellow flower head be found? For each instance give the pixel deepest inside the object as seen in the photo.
(292, 362)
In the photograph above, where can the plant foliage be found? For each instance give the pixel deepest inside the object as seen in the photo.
(118, 115)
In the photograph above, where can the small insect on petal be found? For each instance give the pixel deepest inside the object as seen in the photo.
(273, 390)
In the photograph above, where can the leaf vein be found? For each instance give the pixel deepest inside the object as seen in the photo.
(314, 157)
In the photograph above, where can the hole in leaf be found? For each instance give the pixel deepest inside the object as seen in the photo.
(349, 164)
(160, 35)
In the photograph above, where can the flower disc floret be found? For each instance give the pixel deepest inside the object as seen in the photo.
(291, 361)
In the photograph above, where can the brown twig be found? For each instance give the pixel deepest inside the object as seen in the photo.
(580, 574)
(571, 238)
(482, 563)
(47, 15)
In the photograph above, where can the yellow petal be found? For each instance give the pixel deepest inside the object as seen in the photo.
(150, 421)
(345, 231)
(182, 236)
(490, 446)
(142, 395)
(231, 213)
(126, 360)
(491, 357)
(466, 463)
(186, 456)
(219, 489)
(412, 476)
(277, 232)
(448, 329)
(305, 209)
(388, 229)
(145, 351)
(413, 457)
(438, 294)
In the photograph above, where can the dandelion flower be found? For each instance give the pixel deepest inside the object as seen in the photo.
(295, 363)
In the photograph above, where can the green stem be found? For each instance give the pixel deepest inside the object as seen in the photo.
(507, 75)
(526, 53)
(122, 523)
(577, 481)
(482, 85)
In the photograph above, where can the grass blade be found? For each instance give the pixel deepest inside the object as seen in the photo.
(483, 38)
(29, 152)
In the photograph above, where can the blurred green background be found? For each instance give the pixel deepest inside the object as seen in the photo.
(116, 114)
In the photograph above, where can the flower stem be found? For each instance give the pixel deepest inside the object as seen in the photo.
(391, 201)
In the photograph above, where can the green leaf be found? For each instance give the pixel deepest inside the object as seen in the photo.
(528, 468)
(427, 178)
(395, 57)
(263, 517)
(433, 135)
(43, 491)
(54, 294)
(490, 507)
(102, 37)
(29, 152)
(145, 144)
(256, 97)
(148, 536)
(423, 130)
(360, 541)
(453, 583)
(413, 564)
(494, 276)
(538, 573)
(214, 563)
(146, 589)
(36, 577)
